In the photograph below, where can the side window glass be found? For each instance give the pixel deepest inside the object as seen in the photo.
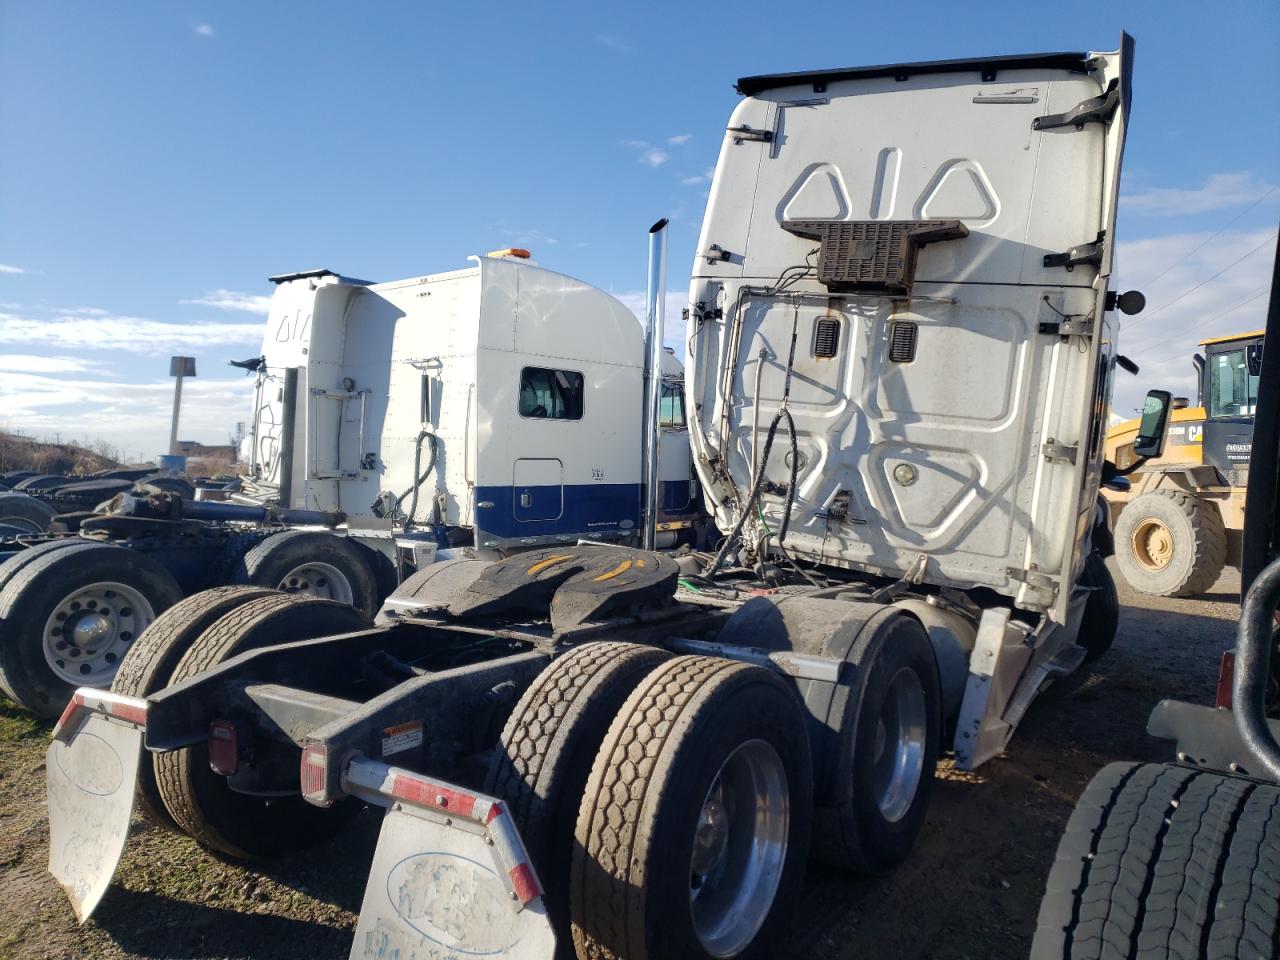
(1232, 392)
(671, 412)
(551, 394)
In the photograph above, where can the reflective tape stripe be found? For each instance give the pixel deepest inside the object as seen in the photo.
(431, 794)
(549, 562)
(86, 699)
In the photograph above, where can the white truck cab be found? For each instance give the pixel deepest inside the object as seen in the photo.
(919, 281)
(501, 404)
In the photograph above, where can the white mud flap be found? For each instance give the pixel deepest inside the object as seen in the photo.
(450, 878)
(91, 772)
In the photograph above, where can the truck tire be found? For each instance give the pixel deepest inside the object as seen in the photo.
(879, 800)
(709, 756)
(150, 663)
(199, 801)
(1165, 861)
(25, 512)
(1101, 618)
(1170, 543)
(68, 616)
(42, 481)
(544, 757)
(314, 564)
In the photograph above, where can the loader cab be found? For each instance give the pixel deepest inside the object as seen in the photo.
(1229, 378)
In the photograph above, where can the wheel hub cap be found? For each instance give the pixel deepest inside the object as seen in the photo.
(91, 629)
(1153, 544)
(318, 580)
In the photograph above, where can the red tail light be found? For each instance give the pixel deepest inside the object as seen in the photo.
(312, 775)
(224, 751)
(1226, 675)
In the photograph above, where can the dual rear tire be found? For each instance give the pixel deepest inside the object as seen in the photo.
(668, 802)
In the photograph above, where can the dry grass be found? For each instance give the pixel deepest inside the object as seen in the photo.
(25, 453)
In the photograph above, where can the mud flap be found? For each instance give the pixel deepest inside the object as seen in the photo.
(91, 771)
(450, 877)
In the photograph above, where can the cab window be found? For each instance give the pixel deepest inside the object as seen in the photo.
(671, 412)
(1232, 392)
(550, 394)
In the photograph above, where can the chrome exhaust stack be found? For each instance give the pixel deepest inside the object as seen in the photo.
(655, 310)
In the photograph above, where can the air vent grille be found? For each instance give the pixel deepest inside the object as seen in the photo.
(902, 341)
(826, 337)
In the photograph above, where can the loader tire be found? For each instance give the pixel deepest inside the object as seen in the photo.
(149, 665)
(544, 757)
(313, 563)
(1170, 543)
(1165, 861)
(25, 512)
(69, 615)
(694, 827)
(1101, 618)
(200, 802)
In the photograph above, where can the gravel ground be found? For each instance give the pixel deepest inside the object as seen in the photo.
(970, 890)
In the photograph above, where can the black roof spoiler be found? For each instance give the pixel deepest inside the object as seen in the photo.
(304, 274)
(987, 67)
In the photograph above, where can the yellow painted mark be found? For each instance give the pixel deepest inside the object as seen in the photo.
(541, 565)
(623, 567)
(640, 562)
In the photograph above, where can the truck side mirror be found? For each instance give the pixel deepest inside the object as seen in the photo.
(1151, 430)
(1253, 358)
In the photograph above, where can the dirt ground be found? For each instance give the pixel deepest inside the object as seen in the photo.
(970, 890)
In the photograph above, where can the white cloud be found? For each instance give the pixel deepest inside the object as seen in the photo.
(233, 300)
(647, 153)
(9, 268)
(1220, 191)
(694, 180)
(531, 237)
(204, 29)
(135, 415)
(1179, 314)
(63, 330)
(32, 363)
(680, 138)
(613, 42)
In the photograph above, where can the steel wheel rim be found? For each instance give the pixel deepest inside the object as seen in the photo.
(901, 730)
(91, 629)
(1152, 544)
(316, 579)
(739, 848)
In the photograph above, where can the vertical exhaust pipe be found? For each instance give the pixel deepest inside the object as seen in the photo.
(655, 310)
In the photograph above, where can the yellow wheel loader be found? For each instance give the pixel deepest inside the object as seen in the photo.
(1180, 520)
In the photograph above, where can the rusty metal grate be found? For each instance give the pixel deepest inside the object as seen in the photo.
(902, 341)
(872, 256)
(826, 337)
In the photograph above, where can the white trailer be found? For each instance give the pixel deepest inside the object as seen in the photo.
(499, 406)
(901, 346)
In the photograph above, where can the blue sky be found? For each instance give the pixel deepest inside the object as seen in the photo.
(159, 160)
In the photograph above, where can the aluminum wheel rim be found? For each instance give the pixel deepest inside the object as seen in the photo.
(739, 849)
(92, 628)
(901, 729)
(1153, 544)
(316, 579)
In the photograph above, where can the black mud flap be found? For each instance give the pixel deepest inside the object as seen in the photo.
(572, 585)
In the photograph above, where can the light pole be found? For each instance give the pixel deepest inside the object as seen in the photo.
(178, 367)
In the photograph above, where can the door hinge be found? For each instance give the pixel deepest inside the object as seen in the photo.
(1098, 109)
(744, 133)
(1054, 451)
(1081, 254)
(1032, 577)
(717, 254)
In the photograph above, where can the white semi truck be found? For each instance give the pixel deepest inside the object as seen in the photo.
(901, 343)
